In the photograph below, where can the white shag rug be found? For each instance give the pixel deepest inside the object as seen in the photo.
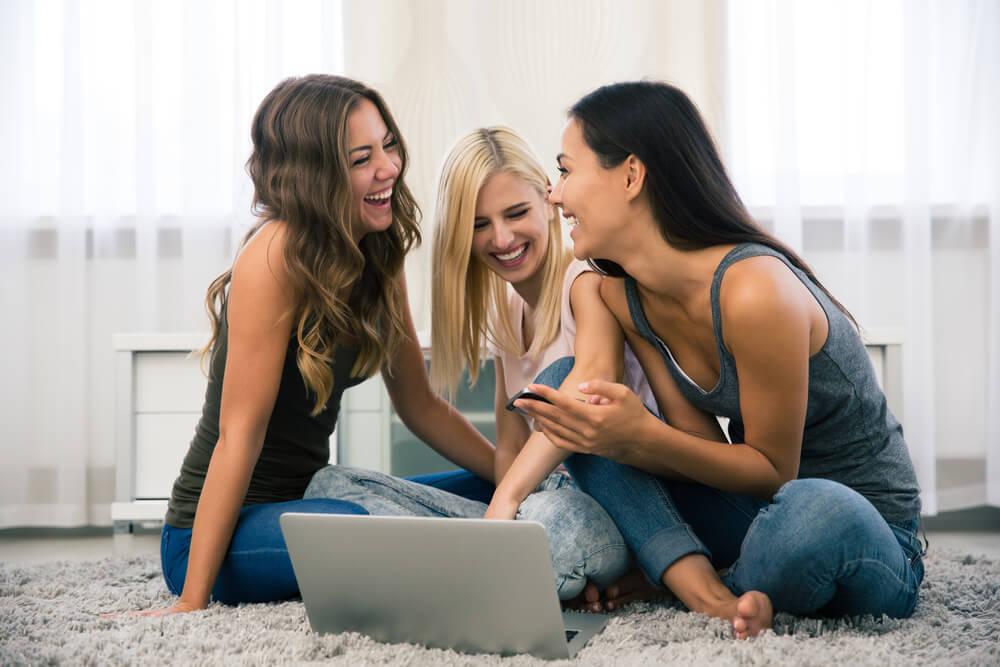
(51, 614)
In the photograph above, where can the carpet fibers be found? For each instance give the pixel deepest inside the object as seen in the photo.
(51, 614)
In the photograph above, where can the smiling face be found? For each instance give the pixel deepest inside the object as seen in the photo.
(594, 199)
(511, 235)
(375, 164)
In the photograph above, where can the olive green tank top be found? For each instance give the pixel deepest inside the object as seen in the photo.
(296, 444)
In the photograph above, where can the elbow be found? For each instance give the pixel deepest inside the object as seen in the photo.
(778, 480)
(419, 408)
(593, 370)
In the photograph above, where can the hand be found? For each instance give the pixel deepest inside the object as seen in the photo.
(501, 508)
(606, 425)
(179, 607)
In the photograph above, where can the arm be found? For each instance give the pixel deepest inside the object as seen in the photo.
(257, 341)
(599, 353)
(429, 416)
(768, 318)
(512, 430)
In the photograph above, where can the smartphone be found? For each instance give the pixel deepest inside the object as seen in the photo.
(527, 395)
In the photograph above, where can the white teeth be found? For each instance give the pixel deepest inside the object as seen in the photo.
(572, 221)
(514, 254)
(381, 196)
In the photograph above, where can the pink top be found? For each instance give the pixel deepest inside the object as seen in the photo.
(520, 371)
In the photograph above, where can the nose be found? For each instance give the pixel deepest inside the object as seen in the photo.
(502, 236)
(555, 194)
(386, 168)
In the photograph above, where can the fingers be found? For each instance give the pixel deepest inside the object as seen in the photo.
(560, 436)
(555, 397)
(612, 390)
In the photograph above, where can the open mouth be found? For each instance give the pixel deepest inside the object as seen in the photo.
(514, 257)
(379, 200)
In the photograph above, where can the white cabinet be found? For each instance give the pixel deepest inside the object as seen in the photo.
(159, 389)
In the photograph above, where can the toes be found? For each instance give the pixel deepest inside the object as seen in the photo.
(746, 606)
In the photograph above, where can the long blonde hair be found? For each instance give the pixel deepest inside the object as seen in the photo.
(469, 303)
(299, 167)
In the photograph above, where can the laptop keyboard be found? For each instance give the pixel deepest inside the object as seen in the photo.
(570, 634)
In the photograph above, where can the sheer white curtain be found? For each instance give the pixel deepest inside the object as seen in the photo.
(125, 126)
(865, 133)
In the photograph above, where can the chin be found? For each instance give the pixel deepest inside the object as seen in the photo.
(580, 251)
(376, 226)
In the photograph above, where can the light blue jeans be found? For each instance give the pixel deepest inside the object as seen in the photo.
(819, 547)
(584, 542)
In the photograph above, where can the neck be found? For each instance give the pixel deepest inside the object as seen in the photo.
(662, 269)
(530, 290)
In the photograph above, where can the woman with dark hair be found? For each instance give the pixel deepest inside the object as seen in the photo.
(315, 303)
(813, 508)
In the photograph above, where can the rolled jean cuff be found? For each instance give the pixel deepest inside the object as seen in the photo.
(667, 547)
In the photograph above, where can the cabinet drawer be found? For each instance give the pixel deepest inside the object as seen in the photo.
(169, 382)
(161, 441)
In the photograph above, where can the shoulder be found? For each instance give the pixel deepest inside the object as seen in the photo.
(760, 295)
(574, 269)
(613, 295)
(260, 266)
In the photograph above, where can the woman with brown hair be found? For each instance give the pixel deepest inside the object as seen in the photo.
(314, 303)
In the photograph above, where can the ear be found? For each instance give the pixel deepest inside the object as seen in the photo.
(635, 177)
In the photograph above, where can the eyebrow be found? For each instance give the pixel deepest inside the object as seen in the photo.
(509, 209)
(561, 157)
(368, 147)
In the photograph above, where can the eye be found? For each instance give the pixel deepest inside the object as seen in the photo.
(360, 161)
(563, 172)
(480, 223)
(516, 215)
(391, 145)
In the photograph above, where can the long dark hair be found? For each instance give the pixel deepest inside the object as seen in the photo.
(693, 200)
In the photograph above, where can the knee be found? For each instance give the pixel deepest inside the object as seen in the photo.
(809, 516)
(584, 542)
(330, 482)
(555, 373)
(822, 504)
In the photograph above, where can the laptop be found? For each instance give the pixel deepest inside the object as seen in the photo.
(471, 585)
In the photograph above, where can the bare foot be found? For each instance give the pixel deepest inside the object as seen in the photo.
(588, 600)
(632, 586)
(754, 614)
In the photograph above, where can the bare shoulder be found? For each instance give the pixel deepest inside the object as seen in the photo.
(261, 261)
(759, 295)
(587, 284)
(260, 285)
(613, 294)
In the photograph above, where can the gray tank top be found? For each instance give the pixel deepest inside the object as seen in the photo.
(850, 435)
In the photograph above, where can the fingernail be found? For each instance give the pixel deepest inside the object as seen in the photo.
(583, 386)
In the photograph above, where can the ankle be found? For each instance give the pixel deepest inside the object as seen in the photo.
(706, 597)
(696, 583)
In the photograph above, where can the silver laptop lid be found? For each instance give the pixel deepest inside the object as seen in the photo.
(466, 584)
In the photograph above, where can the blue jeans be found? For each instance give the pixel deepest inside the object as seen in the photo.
(256, 567)
(818, 547)
(584, 543)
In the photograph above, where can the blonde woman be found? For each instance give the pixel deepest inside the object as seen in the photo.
(314, 303)
(503, 280)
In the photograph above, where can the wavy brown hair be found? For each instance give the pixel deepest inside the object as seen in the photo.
(342, 289)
